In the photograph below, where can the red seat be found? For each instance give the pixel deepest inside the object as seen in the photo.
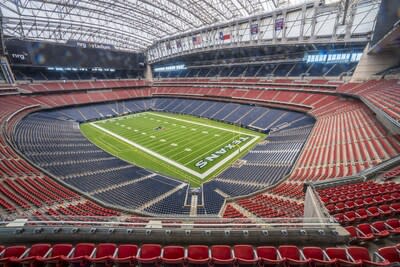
(198, 254)
(269, 256)
(126, 254)
(390, 254)
(350, 217)
(355, 232)
(362, 254)
(292, 255)
(244, 254)
(317, 257)
(104, 253)
(340, 255)
(395, 207)
(149, 254)
(359, 203)
(12, 253)
(37, 251)
(57, 252)
(380, 229)
(81, 253)
(340, 207)
(339, 218)
(367, 229)
(362, 214)
(385, 210)
(394, 226)
(373, 212)
(173, 255)
(221, 254)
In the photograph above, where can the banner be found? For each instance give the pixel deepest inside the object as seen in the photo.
(279, 24)
(254, 29)
(223, 36)
(178, 43)
(196, 40)
(83, 44)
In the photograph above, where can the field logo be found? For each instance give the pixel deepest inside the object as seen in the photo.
(202, 163)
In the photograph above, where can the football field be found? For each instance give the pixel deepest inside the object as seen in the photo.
(184, 147)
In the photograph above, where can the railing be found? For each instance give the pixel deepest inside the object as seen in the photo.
(165, 222)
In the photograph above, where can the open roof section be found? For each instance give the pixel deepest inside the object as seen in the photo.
(128, 25)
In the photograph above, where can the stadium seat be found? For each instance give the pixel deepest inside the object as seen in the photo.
(362, 214)
(341, 257)
(358, 235)
(317, 257)
(385, 210)
(393, 226)
(269, 256)
(244, 254)
(198, 255)
(126, 255)
(293, 256)
(81, 253)
(373, 212)
(37, 251)
(395, 207)
(149, 254)
(221, 255)
(391, 254)
(379, 227)
(368, 229)
(11, 253)
(173, 255)
(104, 253)
(56, 253)
(362, 254)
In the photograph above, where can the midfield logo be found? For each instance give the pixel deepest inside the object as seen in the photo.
(202, 163)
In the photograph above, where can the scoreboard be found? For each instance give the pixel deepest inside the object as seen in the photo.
(72, 54)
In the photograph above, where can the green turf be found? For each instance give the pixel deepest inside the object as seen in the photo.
(179, 142)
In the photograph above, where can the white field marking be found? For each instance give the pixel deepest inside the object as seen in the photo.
(204, 132)
(129, 128)
(144, 133)
(155, 154)
(173, 144)
(183, 126)
(216, 135)
(136, 130)
(205, 125)
(163, 140)
(173, 124)
(179, 165)
(188, 149)
(193, 129)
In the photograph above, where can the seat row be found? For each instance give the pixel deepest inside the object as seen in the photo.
(374, 231)
(371, 213)
(109, 254)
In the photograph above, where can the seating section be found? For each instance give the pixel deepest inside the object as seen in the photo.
(80, 85)
(369, 210)
(383, 94)
(239, 255)
(356, 141)
(113, 181)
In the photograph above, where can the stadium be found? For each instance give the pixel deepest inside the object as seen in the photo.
(200, 133)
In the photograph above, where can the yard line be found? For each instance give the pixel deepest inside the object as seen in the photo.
(172, 162)
(155, 154)
(199, 123)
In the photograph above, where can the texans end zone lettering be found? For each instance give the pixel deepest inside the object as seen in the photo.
(202, 163)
